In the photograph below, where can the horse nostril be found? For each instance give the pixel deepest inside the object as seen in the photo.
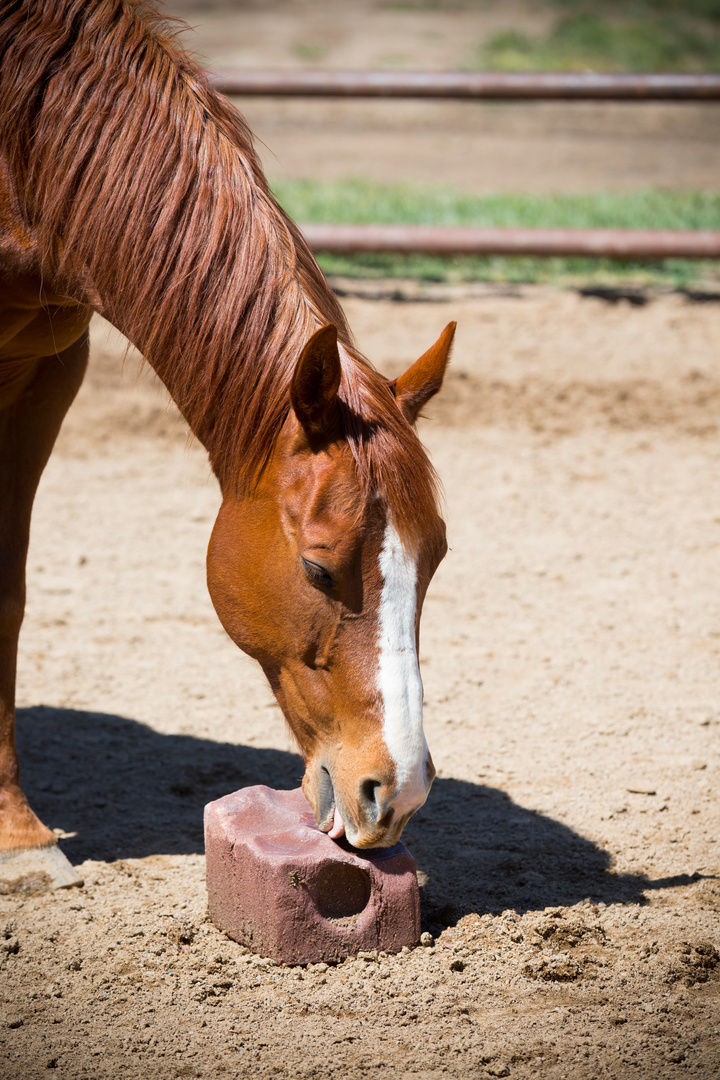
(368, 793)
(371, 802)
(370, 799)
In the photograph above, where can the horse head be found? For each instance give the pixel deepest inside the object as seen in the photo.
(314, 575)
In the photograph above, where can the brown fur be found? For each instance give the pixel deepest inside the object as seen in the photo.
(127, 185)
(147, 200)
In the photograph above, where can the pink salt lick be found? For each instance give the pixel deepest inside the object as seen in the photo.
(288, 891)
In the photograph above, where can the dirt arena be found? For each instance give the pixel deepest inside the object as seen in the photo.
(567, 854)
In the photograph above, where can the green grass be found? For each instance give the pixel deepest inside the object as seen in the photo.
(696, 9)
(363, 201)
(619, 35)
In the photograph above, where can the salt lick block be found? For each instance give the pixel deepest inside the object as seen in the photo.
(286, 890)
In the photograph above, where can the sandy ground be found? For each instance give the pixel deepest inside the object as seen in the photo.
(567, 854)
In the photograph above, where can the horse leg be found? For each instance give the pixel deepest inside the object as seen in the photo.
(29, 426)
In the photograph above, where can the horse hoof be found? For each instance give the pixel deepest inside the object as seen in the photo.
(36, 870)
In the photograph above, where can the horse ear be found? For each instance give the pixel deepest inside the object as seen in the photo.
(421, 381)
(315, 382)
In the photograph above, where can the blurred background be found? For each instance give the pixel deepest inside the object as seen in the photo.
(548, 164)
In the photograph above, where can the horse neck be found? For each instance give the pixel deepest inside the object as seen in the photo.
(147, 197)
(227, 357)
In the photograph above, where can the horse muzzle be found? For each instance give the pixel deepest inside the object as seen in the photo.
(373, 813)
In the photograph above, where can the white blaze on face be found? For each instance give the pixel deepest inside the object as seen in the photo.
(399, 673)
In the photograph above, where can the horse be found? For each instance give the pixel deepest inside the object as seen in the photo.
(130, 188)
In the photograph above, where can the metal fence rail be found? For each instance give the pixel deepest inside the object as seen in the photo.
(438, 240)
(468, 85)
(489, 86)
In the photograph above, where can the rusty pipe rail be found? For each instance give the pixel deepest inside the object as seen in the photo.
(467, 85)
(441, 240)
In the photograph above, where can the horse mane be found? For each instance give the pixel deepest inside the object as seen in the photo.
(147, 199)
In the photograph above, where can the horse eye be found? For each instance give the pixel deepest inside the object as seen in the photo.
(317, 575)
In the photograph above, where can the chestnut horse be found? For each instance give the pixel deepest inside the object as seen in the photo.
(129, 187)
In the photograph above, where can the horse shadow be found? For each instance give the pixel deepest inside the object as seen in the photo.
(127, 791)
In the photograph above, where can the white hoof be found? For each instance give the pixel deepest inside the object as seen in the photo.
(36, 869)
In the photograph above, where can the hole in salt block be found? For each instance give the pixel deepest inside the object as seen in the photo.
(341, 893)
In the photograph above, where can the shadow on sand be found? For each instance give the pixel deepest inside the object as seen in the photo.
(128, 792)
